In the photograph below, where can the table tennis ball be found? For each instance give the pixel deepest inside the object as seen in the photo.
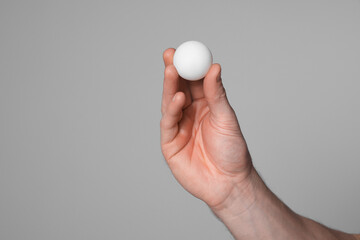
(192, 60)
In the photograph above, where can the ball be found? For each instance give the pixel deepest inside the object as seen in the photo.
(192, 60)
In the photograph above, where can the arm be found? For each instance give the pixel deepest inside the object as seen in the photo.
(203, 145)
(267, 217)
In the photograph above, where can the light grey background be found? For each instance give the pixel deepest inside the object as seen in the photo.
(80, 93)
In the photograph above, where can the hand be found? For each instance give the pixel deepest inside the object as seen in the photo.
(200, 136)
(203, 145)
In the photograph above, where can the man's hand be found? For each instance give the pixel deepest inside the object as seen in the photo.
(200, 136)
(203, 145)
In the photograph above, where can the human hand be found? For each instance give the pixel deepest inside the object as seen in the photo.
(201, 138)
(203, 145)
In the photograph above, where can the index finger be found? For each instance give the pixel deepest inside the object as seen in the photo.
(168, 56)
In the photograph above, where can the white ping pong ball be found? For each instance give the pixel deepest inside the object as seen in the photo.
(192, 60)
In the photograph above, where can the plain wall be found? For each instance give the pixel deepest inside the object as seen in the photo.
(80, 95)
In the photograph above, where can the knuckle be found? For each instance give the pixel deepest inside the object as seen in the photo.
(219, 95)
(162, 123)
(167, 70)
(170, 71)
(163, 108)
(165, 123)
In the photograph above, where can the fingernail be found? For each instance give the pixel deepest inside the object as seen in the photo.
(173, 99)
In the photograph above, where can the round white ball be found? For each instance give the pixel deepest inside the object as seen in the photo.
(192, 60)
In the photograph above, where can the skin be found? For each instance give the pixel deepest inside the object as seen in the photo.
(204, 147)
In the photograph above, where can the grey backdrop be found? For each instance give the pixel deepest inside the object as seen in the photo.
(80, 93)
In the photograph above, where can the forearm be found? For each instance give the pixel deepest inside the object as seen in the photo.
(254, 212)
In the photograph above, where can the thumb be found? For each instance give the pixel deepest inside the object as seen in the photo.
(215, 94)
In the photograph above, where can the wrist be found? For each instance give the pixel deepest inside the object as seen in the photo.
(241, 198)
(252, 211)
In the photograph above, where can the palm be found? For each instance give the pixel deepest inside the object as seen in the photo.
(210, 158)
(201, 142)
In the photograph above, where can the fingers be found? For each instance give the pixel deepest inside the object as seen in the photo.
(170, 86)
(171, 78)
(196, 89)
(215, 93)
(172, 81)
(168, 56)
(169, 122)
